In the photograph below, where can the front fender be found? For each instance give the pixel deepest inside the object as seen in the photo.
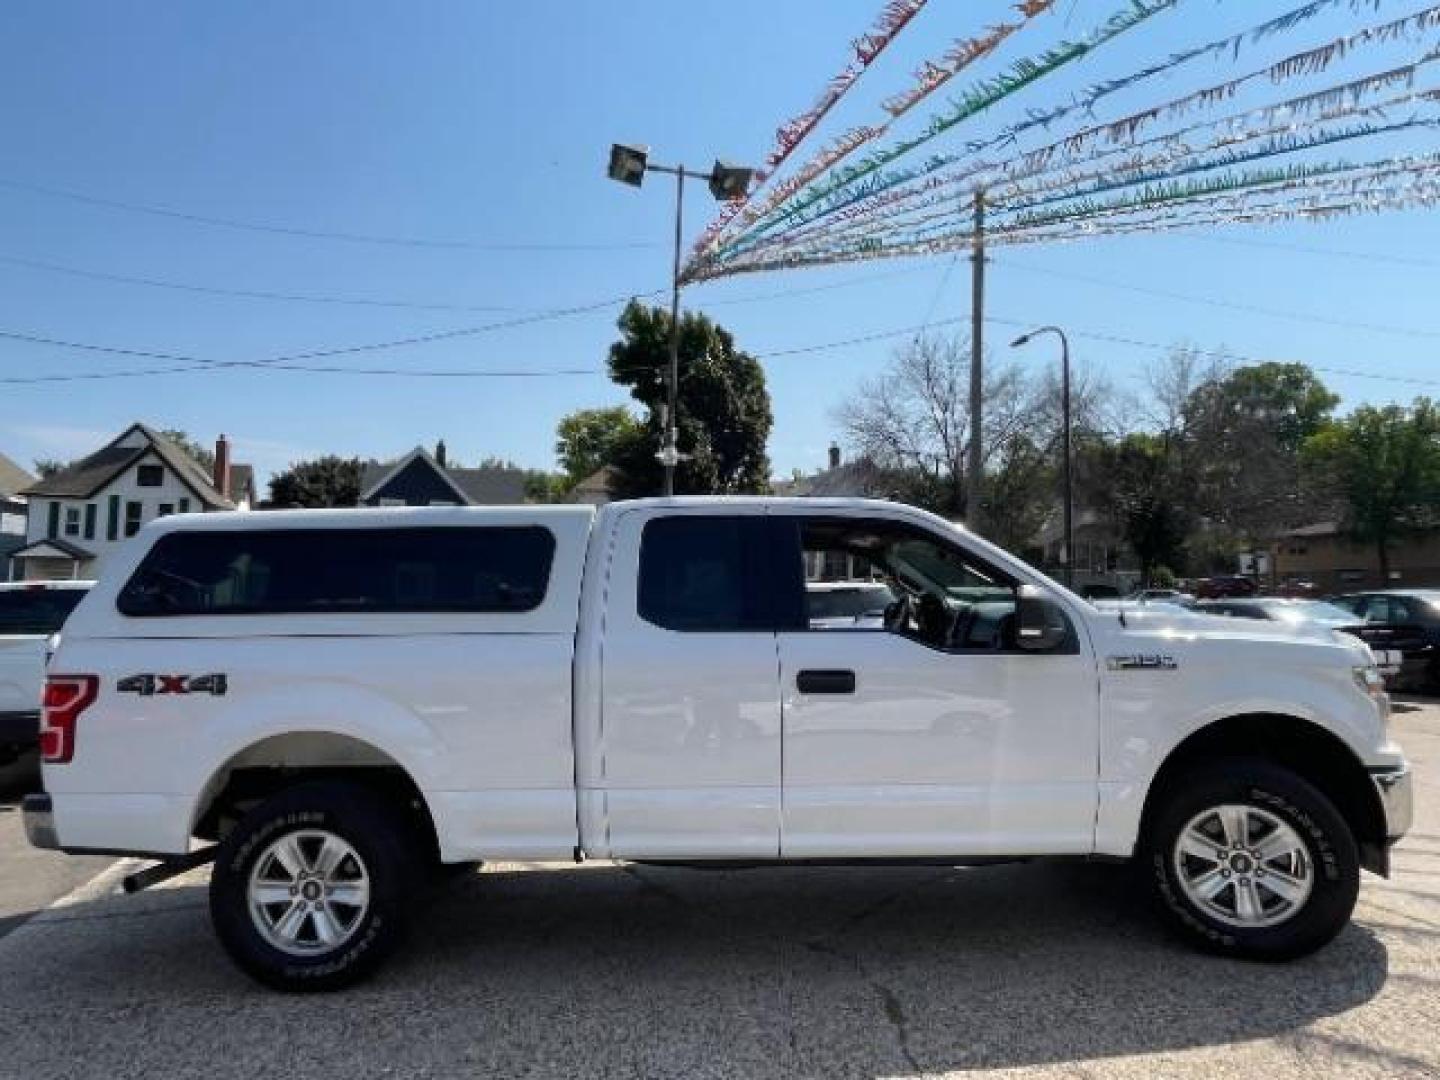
(1147, 714)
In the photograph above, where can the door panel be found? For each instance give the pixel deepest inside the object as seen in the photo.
(936, 753)
(690, 718)
(951, 742)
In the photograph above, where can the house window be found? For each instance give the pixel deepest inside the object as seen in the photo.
(166, 509)
(72, 521)
(133, 510)
(150, 475)
(184, 506)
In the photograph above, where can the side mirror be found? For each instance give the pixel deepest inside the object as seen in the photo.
(1040, 625)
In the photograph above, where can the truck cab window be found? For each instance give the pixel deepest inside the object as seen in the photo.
(704, 573)
(901, 580)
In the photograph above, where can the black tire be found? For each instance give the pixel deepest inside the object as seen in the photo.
(379, 836)
(1330, 845)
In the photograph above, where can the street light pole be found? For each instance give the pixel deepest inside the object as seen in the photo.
(1069, 489)
(975, 462)
(628, 165)
(670, 452)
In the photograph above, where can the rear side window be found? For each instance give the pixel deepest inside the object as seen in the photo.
(704, 573)
(308, 571)
(36, 611)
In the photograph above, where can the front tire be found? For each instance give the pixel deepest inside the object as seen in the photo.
(1247, 859)
(309, 891)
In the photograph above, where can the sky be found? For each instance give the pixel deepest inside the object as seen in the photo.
(453, 153)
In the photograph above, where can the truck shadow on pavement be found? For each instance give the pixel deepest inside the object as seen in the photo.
(657, 971)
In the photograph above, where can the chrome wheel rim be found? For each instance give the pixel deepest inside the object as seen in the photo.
(1243, 866)
(309, 892)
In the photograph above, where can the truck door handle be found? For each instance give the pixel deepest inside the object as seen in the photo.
(825, 682)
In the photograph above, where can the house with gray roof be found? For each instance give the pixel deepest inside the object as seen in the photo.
(424, 479)
(80, 514)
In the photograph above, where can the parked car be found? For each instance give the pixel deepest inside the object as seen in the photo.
(1130, 608)
(1212, 588)
(837, 605)
(30, 613)
(1300, 612)
(1169, 596)
(1404, 619)
(337, 700)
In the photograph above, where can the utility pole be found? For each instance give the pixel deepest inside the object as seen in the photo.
(977, 380)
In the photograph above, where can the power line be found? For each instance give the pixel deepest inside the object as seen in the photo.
(289, 361)
(1210, 301)
(315, 298)
(247, 294)
(309, 234)
(1306, 249)
(297, 362)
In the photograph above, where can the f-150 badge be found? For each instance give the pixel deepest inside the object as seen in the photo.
(1141, 662)
(147, 684)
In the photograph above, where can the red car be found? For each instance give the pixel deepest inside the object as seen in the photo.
(1215, 588)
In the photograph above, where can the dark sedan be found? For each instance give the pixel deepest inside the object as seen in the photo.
(1403, 619)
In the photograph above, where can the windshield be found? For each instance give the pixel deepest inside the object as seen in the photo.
(36, 611)
(849, 602)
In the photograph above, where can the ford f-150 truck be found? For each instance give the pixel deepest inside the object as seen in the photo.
(337, 702)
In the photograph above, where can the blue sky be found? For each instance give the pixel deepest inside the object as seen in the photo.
(483, 124)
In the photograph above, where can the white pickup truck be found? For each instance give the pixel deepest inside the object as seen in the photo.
(346, 699)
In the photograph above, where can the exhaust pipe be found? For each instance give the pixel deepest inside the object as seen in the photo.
(164, 871)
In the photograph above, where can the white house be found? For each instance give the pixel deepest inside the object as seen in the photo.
(77, 516)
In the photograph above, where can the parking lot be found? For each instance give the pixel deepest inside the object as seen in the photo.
(638, 971)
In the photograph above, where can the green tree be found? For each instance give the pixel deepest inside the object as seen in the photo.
(723, 408)
(48, 467)
(588, 439)
(326, 481)
(1240, 447)
(1383, 464)
(1145, 499)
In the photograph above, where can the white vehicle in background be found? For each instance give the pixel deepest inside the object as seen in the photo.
(31, 613)
(337, 701)
(838, 605)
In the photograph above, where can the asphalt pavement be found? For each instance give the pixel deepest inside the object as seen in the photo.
(30, 880)
(618, 971)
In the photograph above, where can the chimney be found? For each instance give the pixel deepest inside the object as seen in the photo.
(222, 466)
(440, 453)
(834, 456)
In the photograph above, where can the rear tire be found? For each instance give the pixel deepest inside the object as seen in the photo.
(310, 890)
(1247, 859)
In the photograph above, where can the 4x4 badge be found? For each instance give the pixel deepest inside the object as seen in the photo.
(148, 685)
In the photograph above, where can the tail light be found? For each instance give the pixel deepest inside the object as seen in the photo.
(65, 698)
